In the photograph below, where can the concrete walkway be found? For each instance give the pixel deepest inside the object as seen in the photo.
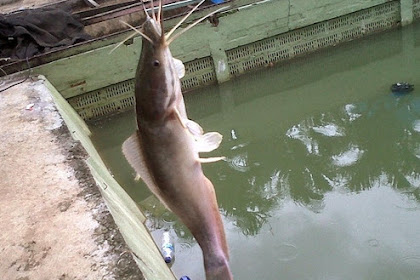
(54, 223)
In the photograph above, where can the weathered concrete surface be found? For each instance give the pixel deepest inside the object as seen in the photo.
(54, 223)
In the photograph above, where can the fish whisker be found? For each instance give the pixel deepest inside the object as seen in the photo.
(153, 11)
(159, 15)
(144, 9)
(138, 31)
(182, 20)
(122, 42)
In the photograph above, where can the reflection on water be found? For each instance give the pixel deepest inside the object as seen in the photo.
(322, 177)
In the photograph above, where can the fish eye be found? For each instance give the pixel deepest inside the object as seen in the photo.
(156, 63)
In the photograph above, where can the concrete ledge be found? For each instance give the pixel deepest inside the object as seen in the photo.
(55, 224)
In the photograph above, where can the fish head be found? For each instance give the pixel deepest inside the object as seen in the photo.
(152, 29)
(157, 80)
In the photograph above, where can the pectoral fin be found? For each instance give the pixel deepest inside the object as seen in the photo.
(132, 151)
(208, 142)
(179, 68)
(203, 142)
(194, 128)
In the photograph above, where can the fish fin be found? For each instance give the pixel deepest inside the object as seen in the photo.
(179, 67)
(180, 118)
(203, 142)
(132, 151)
(208, 142)
(211, 159)
(194, 128)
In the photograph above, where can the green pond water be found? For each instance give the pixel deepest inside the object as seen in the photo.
(322, 178)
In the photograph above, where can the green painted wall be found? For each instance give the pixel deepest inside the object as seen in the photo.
(304, 12)
(241, 24)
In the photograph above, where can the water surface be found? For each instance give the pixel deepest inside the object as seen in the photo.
(322, 179)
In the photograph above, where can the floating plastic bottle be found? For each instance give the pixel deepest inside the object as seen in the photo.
(167, 248)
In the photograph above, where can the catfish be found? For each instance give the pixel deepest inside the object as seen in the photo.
(164, 150)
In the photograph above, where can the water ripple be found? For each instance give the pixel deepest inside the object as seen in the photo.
(239, 162)
(413, 263)
(373, 242)
(286, 252)
(299, 132)
(350, 108)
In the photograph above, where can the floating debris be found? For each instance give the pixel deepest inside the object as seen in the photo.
(167, 248)
(402, 88)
